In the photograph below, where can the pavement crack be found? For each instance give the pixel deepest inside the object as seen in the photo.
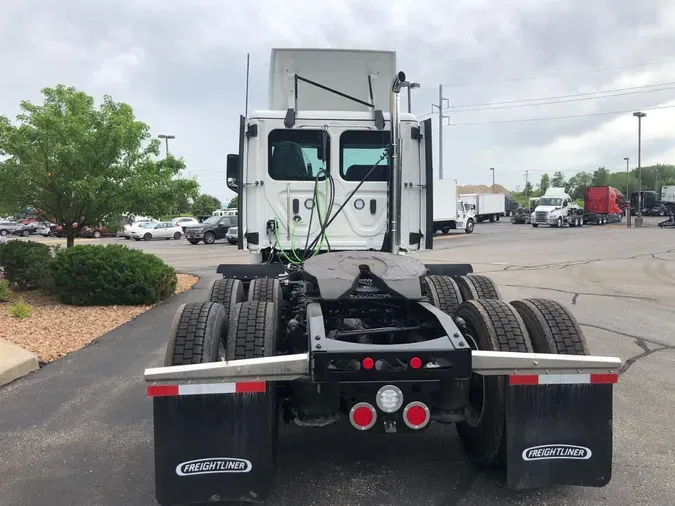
(577, 294)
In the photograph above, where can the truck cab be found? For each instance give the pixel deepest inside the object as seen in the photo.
(319, 155)
(556, 209)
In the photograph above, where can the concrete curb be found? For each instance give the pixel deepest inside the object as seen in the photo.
(15, 362)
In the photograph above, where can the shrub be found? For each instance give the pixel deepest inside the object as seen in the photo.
(93, 275)
(20, 310)
(4, 290)
(26, 263)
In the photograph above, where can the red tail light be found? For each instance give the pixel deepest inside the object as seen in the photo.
(415, 362)
(416, 415)
(363, 416)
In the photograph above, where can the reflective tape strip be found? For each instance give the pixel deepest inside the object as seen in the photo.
(206, 389)
(563, 379)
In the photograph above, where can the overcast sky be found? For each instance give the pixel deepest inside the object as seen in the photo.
(181, 64)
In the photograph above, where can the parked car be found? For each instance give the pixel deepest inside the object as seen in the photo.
(46, 229)
(26, 230)
(7, 227)
(185, 222)
(159, 230)
(232, 235)
(210, 230)
(128, 229)
(96, 232)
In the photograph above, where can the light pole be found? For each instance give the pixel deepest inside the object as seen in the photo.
(493, 179)
(410, 86)
(627, 192)
(639, 115)
(166, 140)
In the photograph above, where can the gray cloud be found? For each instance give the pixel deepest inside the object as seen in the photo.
(181, 65)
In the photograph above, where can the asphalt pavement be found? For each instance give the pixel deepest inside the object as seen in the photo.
(79, 431)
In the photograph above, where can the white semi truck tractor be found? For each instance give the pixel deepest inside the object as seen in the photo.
(334, 319)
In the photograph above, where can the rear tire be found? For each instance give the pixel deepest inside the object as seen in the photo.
(267, 290)
(491, 325)
(476, 286)
(228, 292)
(443, 293)
(209, 238)
(551, 326)
(197, 334)
(177, 235)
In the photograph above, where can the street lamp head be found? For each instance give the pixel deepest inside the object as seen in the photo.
(626, 158)
(639, 114)
(163, 136)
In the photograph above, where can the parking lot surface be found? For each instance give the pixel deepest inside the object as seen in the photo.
(79, 431)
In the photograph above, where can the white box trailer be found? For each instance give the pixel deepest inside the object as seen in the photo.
(668, 193)
(489, 206)
(449, 212)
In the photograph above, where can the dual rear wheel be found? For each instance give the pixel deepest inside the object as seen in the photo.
(490, 324)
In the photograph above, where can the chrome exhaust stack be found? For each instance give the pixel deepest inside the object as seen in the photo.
(396, 165)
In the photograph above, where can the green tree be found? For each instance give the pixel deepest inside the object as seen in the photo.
(76, 163)
(204, 205)
(544, 183)
(558, 180)
(600, 177)
(577, 184)
(234, 203)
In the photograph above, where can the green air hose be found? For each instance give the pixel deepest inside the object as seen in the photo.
(296, 260)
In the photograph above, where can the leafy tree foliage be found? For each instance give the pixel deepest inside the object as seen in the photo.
(75, 163)
(544, 183)
(204, 205)
(558, 180)
(234, 203)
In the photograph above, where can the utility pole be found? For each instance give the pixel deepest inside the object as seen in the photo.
(627, 175)
(440, 128)
(639, 115)
(493, 179)
(527, 188)
(166, 140)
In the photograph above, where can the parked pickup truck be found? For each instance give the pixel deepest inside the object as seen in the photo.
(210, 230)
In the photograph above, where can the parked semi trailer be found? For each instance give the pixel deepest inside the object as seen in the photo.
(332, 321)
(667, 194)
(488, 206)
(603, 204)
(450, 213)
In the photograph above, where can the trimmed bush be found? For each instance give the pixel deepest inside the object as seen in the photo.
(26, 263)
(93, 275)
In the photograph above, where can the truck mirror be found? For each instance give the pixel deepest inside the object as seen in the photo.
(564, 203)
(233, 173)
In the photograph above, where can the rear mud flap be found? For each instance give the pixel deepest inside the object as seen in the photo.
(218, 447)
(559, 434)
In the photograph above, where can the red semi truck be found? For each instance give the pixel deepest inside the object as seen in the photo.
(603, 204)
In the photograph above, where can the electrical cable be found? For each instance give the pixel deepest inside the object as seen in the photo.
(547, 118)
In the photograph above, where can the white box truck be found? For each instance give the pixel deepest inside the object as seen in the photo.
(488, 206)
(450, 213)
